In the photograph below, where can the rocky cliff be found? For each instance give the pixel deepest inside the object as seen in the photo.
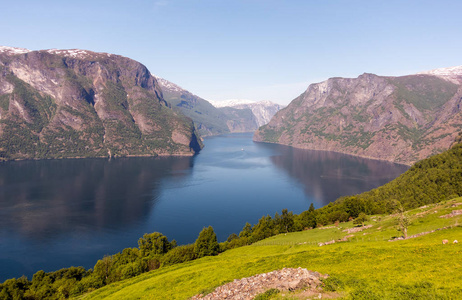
(401, 119)
(77, 103)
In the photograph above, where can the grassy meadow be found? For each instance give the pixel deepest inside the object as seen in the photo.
(367, 266)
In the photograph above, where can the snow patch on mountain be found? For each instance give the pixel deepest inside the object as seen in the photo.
(167, 85)
(75, 53)
(231, 102)
(13, 50)
(453, 74)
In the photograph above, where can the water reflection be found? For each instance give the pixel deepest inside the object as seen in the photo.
(43, 199)
(328, 175)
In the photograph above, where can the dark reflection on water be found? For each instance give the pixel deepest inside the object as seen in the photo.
(59, 213)
(327, 176)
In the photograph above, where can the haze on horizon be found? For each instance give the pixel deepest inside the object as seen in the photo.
(257, 50)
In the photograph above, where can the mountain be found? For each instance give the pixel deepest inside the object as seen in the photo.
(78, 103)
(214, 118)
(262, 110)
(401, 119)
(207, 118)
(239, 119)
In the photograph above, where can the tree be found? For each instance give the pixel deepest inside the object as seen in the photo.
(307, 218)
(353, 206)
(103, 269)
(361, 219)
(154, 243)
(263, 229)
(246, 231)
(287, 220)
(206, 244)
(231, 237)
(403, 220)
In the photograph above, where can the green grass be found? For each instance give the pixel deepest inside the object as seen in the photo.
(365, 267)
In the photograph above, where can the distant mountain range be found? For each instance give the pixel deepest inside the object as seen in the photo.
(78, 103)
(262, 110)
(214, 118)
(402, 119)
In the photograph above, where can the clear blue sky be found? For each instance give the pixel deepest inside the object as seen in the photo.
(248, 49)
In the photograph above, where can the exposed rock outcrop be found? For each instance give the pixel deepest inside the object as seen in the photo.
(401, 119)
(287, 279)
(78, 103)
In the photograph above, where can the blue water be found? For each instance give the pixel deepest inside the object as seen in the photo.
(60, 213)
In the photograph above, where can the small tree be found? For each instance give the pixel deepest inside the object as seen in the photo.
(206, 244)
(362, 217)
(403, 220)
(309, 217)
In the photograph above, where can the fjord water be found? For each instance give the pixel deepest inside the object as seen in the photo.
(62, 213)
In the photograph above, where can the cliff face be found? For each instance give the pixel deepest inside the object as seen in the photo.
(400, 119)
(76, 103)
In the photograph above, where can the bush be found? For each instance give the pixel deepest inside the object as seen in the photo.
(361, 219)
(179, 255)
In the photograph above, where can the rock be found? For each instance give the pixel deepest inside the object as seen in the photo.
(357, 229)
(452, 214)
(445, 242)
(287, 279)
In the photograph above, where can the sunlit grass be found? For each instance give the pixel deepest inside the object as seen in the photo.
(368, 266)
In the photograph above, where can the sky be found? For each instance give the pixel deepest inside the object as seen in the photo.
(247, 49)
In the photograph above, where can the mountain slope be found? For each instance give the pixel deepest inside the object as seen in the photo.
(401, 119)
(214, 118)
(208, 119)
(77, 103)
(239, 119)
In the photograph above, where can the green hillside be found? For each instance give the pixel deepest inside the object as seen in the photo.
(367, 266)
